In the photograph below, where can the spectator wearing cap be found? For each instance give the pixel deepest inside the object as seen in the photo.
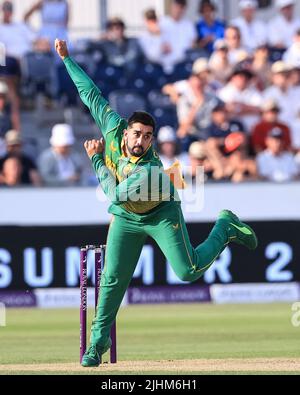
(168, 148)
(29, 173)
(220, 127)
(242, 100)
(275, 163)
(58, 165)
(253, 31)
(292, 55)
(219, 63)
(120, 50)
(179, 31)
(209, 28)
(233, 41)
(5, 116)
(198, 164)
(17, 40)
(201, 70)
(283, 93)
(282, 28)
(244, 61)
(239, 166)
(269, 121)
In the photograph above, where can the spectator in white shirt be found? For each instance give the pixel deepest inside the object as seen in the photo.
(16, 37)
(282, 28)
(194, 111)
(292, 55)
(276, 164)
(58, 165)
(202, 70)
(242, 100)
(17, 40)
(180, 33)
(152, 42)
(219, 62)
(283, 93)
(233, 41)
(253, 31)
(120, 50)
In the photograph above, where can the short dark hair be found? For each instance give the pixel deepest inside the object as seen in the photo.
(143, 117)
(150, 15)
(115, 22)
(182, 3)
(12, 156)
(205, 3)
(220, 106)
(248, 74)
(7, 6)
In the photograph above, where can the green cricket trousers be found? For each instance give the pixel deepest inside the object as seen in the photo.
(125, 241)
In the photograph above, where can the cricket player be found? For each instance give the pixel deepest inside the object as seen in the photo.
(123, 167)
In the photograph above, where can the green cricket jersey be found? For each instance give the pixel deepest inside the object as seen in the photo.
(137, 186)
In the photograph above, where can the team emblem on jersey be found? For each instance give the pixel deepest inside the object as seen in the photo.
(155, 154)
(127, 169)
(112, 147)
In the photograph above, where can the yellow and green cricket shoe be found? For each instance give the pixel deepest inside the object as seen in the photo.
(93, 356)
(239, 232)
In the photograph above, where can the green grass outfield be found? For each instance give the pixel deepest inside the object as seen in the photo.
(189, 336)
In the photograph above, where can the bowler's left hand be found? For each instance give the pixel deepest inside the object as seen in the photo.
(93, 147)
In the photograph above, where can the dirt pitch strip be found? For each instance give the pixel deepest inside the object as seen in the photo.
(195, 365)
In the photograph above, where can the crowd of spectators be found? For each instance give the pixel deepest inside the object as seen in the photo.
(224, 93)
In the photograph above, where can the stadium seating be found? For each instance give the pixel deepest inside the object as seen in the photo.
(162, 109)
(125, 102)
(38, 74)
(275, 54)
(152, 74)
(165, 118)
(67, 92)
(109, 76)
(181, 71)
(195, 53)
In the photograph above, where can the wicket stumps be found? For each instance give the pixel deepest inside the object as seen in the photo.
(99, 259)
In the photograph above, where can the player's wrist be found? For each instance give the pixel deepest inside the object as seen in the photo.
(96, 156)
